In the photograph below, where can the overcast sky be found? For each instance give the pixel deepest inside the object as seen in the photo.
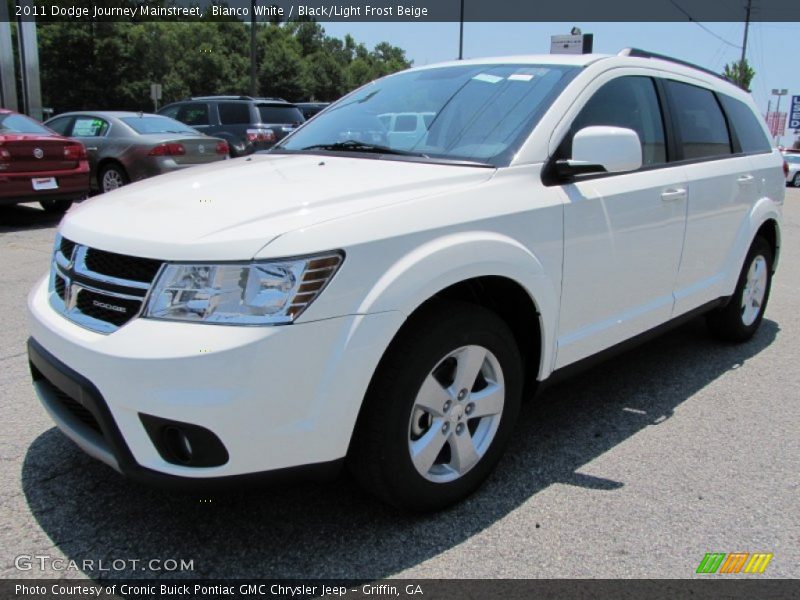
(771, 47)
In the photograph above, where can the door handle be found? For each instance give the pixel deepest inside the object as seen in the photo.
(673, 194)
(745, 179)
(91, 148)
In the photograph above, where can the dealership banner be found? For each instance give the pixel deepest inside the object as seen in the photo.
(406, 589)
(406, 10)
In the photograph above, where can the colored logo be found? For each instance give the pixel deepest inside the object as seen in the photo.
(736, 562)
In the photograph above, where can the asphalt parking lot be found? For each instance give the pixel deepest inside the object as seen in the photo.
(636, 468)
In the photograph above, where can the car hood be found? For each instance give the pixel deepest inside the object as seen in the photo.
(232, 209)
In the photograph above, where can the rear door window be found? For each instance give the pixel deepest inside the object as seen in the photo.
(234, 113)
(406, 123)
(701, 123)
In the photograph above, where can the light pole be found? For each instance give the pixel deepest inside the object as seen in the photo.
(461, 34)
(778, 93)
(253, 85)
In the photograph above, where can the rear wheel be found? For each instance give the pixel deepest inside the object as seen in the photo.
(738, 320)
(112, 176)
(796, 179)
(56, 207)
(440, 409)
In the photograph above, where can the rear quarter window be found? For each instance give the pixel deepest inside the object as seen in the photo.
(701, 123)
(745, 124)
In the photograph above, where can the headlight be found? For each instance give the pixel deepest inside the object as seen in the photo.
(253, 293)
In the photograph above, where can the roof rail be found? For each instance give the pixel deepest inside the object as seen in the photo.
(221, 97)
(639, 53)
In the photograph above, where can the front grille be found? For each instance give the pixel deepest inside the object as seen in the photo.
(60, 286)
(121, 266)
(66, 246)
(76, 409)
(104, 308)
(99, 290)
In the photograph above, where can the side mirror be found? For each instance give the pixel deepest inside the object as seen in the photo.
(603, 149)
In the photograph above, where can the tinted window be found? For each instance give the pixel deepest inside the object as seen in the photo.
(629, 102)
(12, 123)
(280, 114)
(153, 124)
(170, 111)
(700, 120)
(406, 123)
(234, 113)
(60, 125)
(193, 114)
(748, 130)
(89, 127)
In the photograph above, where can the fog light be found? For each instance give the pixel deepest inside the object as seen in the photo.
(178, 444)
(184, 444)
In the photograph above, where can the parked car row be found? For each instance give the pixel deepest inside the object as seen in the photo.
(64, 159)
(128, 146)
(247, 124)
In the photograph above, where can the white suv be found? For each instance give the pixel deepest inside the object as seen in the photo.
(343, 300)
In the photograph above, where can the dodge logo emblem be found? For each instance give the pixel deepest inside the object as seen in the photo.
(38, 152)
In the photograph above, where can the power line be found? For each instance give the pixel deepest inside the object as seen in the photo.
(703, 27)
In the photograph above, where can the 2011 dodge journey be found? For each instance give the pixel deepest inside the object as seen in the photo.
(384, 298)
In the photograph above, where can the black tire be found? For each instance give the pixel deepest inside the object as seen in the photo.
(380, 454)
(728, 322)
(109, 172)
(56, 207)
(796, 179)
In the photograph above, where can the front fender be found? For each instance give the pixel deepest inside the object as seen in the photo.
(438, 264)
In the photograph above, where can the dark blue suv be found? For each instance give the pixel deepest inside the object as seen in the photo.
(248, 124)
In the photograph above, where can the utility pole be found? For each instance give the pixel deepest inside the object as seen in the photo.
(253, 85)
(461, 34)
(746, 27)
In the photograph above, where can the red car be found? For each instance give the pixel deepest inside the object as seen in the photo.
(38, 165)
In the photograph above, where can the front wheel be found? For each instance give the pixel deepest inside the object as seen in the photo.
(738, 320)
(796, 179)
(440, 409)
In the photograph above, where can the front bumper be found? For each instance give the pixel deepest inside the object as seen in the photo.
(278, 398)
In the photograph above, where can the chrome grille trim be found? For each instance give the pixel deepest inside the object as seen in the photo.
(77, 277)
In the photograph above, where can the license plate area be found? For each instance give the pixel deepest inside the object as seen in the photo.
(44, 183)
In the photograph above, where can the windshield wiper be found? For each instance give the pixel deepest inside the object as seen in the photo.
(356, 146)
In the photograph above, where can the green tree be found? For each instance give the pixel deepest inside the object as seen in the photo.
(739, 73)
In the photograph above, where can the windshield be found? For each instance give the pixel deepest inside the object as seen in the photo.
(153, 124)
(271, 113)
(11, 123)
(479, 113)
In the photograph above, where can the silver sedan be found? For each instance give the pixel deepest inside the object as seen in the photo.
(129, 146)
(793, 174)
